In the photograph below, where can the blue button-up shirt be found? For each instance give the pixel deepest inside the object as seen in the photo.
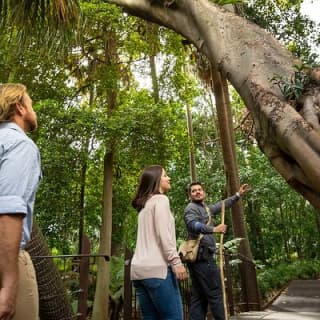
(20, 173)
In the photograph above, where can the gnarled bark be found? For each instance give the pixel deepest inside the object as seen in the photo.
(53, 301)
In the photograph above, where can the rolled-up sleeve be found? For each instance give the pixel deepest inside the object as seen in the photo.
(12, 205)
(19, 177)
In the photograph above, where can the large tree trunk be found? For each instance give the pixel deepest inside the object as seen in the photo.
(53, 301)
(249, 57)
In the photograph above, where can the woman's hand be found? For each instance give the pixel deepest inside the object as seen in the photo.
(180, 272)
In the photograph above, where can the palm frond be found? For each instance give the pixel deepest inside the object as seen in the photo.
(44, 20)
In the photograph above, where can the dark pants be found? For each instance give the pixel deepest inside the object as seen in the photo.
(206, 289)
(159, 299)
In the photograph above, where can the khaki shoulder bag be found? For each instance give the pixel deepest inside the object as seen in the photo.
(188, 250)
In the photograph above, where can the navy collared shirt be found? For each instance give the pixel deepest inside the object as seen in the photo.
(196, 216)
(20, 174)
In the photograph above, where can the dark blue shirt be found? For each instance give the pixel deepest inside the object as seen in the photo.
(196, 216)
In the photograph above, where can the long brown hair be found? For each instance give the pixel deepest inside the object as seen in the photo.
(149, 184)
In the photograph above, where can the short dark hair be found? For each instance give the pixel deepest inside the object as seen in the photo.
(194, 183)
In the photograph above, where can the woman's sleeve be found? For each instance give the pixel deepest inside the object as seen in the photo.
(165, 229)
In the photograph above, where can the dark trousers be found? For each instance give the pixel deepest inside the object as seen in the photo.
(206, 289)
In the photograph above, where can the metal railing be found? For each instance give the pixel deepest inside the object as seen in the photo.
(78, 273)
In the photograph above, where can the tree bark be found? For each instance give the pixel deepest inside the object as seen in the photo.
(53, 301)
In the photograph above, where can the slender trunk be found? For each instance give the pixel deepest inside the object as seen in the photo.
(154, 78)
(247, 271)
(192, 157)
(81, 205)
(101, 298)
(84, 170)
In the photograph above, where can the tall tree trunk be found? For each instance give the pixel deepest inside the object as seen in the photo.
(153, 38)
(101, 298)
(154, 78)
(81, 205)
(92, 70)
(53, 301)
(247, 270)
(192, 157)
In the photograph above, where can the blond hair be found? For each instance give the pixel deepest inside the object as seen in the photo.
(10, 95)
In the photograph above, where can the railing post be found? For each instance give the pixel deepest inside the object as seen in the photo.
(229, 283)
(83, 279)
(127, 294)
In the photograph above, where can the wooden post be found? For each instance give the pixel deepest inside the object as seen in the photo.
(84, 280)
(225, 307)
(229, 284)
(127, 295)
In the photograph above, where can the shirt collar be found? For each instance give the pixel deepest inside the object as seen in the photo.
(11, 125)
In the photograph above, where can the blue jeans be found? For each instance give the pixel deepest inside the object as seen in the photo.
(159, 299)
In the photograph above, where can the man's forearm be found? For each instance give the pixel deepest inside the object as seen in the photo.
(10, 237)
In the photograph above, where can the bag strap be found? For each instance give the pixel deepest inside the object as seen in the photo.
(208, 223)
(209, 214)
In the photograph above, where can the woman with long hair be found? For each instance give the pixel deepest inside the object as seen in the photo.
(156, 265)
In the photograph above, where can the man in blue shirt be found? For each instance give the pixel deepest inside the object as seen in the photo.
(20, 174)
(204, 273)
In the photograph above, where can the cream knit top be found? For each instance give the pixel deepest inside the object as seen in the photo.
(156, 240)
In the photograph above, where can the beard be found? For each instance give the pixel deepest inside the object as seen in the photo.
(33, 126)
(197, 200)
(32, 123)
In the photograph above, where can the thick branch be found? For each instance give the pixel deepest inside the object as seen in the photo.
(284, 127)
